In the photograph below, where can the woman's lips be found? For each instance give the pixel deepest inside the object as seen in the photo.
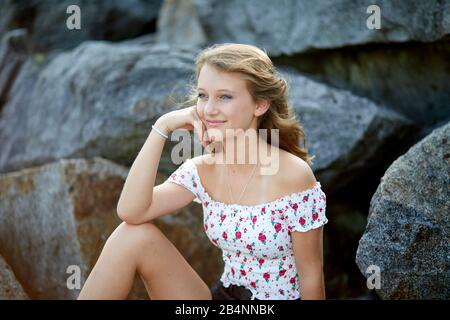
(214, 123)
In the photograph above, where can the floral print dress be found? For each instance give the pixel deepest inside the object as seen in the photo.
(256, 240)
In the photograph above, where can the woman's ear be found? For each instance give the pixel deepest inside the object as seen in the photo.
(262, 106)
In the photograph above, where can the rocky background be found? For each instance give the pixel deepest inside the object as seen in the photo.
(77, 105)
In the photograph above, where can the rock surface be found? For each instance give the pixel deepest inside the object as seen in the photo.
(411, 78)
(407, 233)
(98, 100)
(10, 288)
(293, 26)
(178, 23)
(60, 215)
(99, 20)
(55, 216)
(348, 134)
(13, 52)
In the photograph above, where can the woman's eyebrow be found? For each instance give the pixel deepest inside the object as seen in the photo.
(218, 90)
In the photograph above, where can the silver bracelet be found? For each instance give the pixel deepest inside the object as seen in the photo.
(157, 130)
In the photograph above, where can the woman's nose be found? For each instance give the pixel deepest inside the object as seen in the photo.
(210, 108)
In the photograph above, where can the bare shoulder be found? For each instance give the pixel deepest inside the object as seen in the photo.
(201, 160)
(203, 164)
(296, 172)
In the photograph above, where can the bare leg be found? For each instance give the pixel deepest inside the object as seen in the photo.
(144, 249)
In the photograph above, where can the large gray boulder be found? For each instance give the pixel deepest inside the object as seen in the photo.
(99, 99)
(412, 79)
(408, 231)
(293, 26)
(55, 216)
(100, 20)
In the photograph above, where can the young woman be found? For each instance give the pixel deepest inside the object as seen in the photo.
(269, 226)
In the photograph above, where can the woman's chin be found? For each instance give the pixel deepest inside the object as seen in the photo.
(215, 134)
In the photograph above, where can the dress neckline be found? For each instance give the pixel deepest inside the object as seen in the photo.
(265, 204)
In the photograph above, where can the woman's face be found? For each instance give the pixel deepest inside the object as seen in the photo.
(223, 96)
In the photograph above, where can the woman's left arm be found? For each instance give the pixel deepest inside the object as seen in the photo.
(308, 252)
(307, 238)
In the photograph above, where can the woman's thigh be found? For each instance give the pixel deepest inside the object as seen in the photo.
(165, 272)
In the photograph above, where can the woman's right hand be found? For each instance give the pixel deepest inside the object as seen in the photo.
(186, 118)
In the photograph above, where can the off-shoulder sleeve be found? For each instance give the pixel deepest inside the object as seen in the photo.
(185, 175)
(307, 210)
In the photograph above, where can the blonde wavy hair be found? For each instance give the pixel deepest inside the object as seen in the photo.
(263, 82)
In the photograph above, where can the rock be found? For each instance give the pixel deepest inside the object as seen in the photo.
(412, 79)
(294, 26)
(100, 20)
(55, 216)
(98, 100)
(60, 215)
(179, 24)
(350, 135)
(13, 52)
(407, 233)
(10, 288)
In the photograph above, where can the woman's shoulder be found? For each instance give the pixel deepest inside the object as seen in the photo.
(201, 159)
(296, 172)
(202, 163)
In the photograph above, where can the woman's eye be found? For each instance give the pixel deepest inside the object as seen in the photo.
(225, 96)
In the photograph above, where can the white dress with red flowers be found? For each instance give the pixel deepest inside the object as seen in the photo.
(256, 240)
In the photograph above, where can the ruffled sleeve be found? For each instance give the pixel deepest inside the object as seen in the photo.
(185, 175)
(307, 210)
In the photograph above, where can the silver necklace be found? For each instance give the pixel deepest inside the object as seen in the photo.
(229, 185)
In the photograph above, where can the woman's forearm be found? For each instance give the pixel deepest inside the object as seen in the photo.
(137, 192)
(312, 286)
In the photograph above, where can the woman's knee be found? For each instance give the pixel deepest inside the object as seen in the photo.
(136, 235)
